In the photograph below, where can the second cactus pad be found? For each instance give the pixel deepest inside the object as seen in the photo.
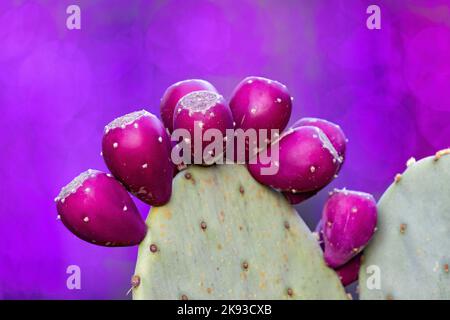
(409, 256)
(224, 236)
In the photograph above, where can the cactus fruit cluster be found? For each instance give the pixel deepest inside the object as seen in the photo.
(224, 231)
(409, 256)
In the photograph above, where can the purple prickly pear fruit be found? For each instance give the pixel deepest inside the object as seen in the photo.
(175, 92)
(349, 221)
(136, 149)
(307, 161)
(98, 209)
(260, 103)
(331, 130)
(348, 273)
(198, 112)
(296, 198)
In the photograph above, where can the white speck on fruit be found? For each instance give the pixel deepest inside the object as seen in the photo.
(145, 165)
(142, 190)
(312, 169)
(136, 125)
(125, 208)
(354, 210)
(160, 139)
(115, 145)
(86, 219)
(278, 100)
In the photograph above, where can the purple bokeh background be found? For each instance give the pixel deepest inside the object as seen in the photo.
(389, 89)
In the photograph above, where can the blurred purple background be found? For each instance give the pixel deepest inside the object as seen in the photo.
(389, 89)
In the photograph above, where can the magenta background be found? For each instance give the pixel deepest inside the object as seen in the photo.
(388, 89)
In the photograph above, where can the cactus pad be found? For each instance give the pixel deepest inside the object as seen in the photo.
(224, 236)
(410, 251)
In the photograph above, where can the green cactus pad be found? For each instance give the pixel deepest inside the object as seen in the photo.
(224, 236)
(410, 252)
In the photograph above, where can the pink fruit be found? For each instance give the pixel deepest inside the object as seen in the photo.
(348, 273)
(296, 198)
(175, 92)
(349, 221)
(98, 209)
(307, 161)
(333, 132)
(198, 112)
(136, 149)
(259, 103)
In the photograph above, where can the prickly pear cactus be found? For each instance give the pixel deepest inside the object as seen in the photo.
(410, 252)
(224, 236)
